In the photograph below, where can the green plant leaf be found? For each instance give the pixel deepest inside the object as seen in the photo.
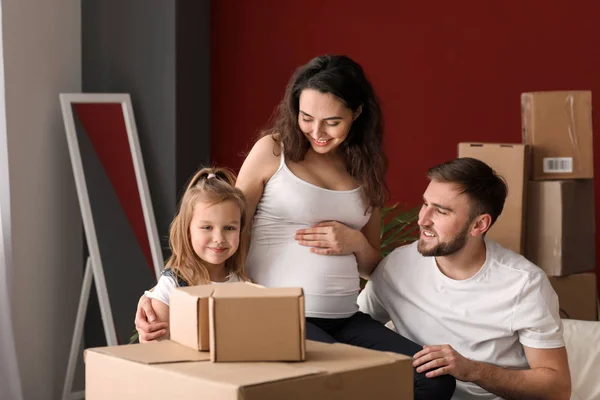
(398, 227)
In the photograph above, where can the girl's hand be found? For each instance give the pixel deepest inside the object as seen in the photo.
(331, 237)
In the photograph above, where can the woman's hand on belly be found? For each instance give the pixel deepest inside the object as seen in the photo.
(331, 238)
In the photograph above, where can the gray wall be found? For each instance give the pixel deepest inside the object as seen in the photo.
(193, 88)
(42, 57)
(128, 46)
(157, 51)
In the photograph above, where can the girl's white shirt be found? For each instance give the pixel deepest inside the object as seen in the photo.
(166, 284)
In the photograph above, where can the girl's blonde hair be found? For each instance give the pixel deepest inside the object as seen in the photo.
(211, 185)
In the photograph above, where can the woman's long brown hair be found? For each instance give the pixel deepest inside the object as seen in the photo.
(362, 151)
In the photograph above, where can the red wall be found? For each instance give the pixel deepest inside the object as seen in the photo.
(444, 74)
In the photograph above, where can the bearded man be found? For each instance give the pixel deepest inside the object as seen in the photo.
(486, 315)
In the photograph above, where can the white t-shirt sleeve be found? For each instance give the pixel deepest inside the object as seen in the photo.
(166, 284)
(537, 319)
(162, 290)
(368, 302)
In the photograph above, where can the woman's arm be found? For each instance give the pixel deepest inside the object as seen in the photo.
(259, 166)
(162, 315)
(369, 255)
(153, 323)
(148, 327)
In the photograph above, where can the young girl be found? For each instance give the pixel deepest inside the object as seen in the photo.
(204, 238)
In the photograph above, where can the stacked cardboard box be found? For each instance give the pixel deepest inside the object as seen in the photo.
(560, 238)
(511, 161)
(549, 212)
(251, 334)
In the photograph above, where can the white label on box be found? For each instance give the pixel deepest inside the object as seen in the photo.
(558, 165)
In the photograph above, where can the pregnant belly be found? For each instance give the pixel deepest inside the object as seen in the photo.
(330, 283)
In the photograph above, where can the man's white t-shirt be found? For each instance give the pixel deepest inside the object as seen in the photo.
(166, 284)
(508, 303)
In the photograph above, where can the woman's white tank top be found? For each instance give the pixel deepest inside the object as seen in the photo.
(330, 282)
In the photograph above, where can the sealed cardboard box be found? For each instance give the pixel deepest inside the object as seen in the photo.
(577, 296)
(511, 162)
(560, 226)
(558, 127)
(240, 322)
(167, 370)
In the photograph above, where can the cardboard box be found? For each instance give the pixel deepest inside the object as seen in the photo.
(558, 127)
(240, 322)
(188, 317)
(577, 296)
(166, 370)
(511, 162)
(560, 226)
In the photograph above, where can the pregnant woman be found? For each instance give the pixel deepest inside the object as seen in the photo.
(314, 183)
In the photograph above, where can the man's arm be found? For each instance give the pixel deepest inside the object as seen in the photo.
(548, 376)
(370, 254)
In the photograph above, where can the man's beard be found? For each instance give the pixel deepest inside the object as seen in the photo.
(446, 248)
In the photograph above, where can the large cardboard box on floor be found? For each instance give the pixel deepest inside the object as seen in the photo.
(240, 321)
(558, 127)
(577, 296)
(511, 162)
(560, 226)
(167, 370)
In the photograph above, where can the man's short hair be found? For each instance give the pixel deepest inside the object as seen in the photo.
(484, 187)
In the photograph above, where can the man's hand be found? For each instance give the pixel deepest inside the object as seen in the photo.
(442, 360)
(145, 324)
